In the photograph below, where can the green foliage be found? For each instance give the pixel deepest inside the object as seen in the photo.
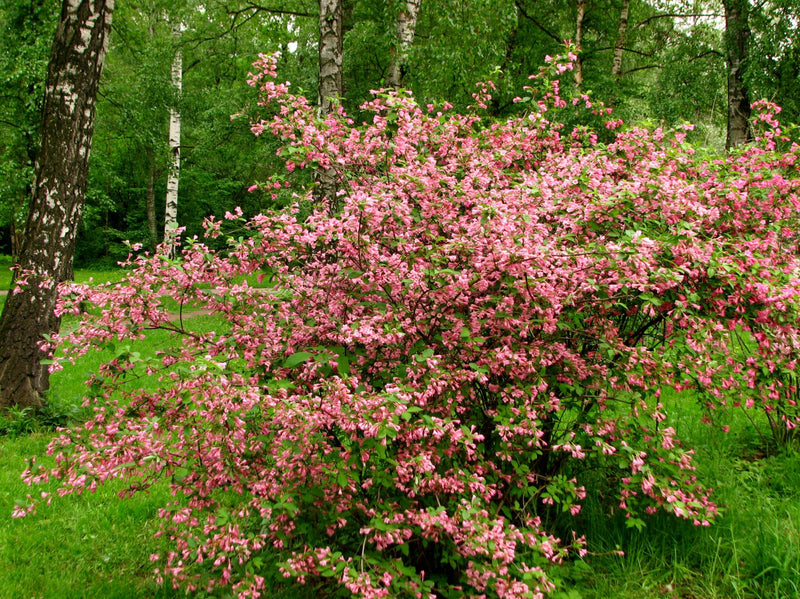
(219, 156)
(774, 67)
(23, 421)
(673, 71)
(26, 30)
(460, 44)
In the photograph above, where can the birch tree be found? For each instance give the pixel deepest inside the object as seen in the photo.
(59, 189)
(405, 26)
(619, 46)
(173, 179)
(737, 46)
(330, 86)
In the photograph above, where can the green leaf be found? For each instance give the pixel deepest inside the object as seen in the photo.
(636, 523)
(343, 365)
(297, 359)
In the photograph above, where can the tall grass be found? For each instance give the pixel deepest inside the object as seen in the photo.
(751, 552)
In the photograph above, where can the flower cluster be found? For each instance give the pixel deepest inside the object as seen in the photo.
(418, 385)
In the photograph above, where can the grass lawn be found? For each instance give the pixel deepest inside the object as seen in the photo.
(81, 276)
(80, 546)
(752, 551)
(95, 545)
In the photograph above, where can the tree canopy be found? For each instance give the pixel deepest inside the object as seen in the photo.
(656, 63)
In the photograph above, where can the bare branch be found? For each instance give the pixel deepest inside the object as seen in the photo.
(631, 50)
(525, 14)
(644, 68)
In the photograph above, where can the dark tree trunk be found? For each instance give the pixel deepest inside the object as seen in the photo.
(737, 41)
(16, 239)
(150, 200)
(45, 259)
(330, 86)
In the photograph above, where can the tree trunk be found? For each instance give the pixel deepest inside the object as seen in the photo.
(16, 239)
(405, 25)
(579, 16)
(330, 87)
(737, 41)
(622, 29)
(150, 200)
(59, 189)
(171, 210)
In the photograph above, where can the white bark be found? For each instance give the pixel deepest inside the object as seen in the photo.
(171, 210)
(405, 26)
(330, 88)
(622, 29)
(59, 188)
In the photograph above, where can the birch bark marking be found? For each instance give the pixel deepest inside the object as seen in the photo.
(737, 42)
(405, 26)
(59, 189)
(171, 210)
(616, 68)
(330, 88)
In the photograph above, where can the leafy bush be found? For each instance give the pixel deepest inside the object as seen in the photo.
(435, 371)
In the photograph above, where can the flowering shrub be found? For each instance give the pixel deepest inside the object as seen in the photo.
(426, 377)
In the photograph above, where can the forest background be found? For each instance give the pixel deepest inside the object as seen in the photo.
(656, 63)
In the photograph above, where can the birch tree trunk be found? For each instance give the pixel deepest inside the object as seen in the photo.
(622, 29)
(737, 41)
(330, 87)
(405, 26)
(59, 189)
(173, 179)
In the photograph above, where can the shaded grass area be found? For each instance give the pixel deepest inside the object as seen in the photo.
(751, 552)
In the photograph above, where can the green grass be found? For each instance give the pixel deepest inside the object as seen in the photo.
(751, 552)
(80, 275)
(94, 545)
(91, 546)
(5, 272)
